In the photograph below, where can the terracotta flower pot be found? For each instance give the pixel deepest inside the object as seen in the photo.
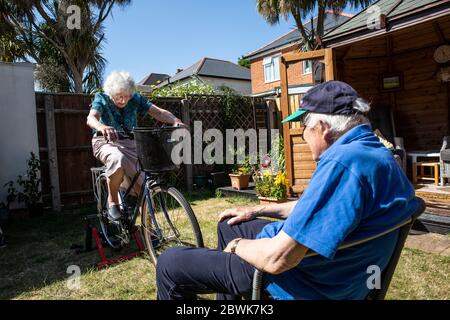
(264, 200)
(239, 181)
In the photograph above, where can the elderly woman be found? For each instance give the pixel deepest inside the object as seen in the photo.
(112, 112)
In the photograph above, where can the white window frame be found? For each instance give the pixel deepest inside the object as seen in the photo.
(274, 68)
(305, 67)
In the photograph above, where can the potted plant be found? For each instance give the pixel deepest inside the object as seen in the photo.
(270, 187)
(271, 183)
(30, 184)
(240, 175)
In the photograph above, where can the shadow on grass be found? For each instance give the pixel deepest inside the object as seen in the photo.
(39, 251)
(198, 195)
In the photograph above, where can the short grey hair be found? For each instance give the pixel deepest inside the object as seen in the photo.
(340, 124)
(119, 82)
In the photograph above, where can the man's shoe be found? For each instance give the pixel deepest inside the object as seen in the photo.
(114, 212)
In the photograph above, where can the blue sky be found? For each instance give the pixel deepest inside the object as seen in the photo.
(163, 35)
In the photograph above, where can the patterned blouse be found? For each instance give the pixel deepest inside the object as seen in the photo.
(121, 119)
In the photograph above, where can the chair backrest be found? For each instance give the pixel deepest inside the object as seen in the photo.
(386, 276)
(381, 118)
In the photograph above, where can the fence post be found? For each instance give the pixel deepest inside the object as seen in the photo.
(269, 121)
(52, 153)
(270, 124)
(255, 123)
(186, 118)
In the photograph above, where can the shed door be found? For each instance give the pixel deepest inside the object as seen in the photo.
(299, 163)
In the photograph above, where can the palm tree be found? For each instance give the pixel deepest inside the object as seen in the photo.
(43, 23)
(273, 10)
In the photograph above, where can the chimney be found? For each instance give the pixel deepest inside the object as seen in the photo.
(179, 70)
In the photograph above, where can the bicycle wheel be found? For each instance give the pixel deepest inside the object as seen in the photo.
(173, 222)
(111, 232)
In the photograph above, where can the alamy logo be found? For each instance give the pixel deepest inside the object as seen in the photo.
(374, 280)
(73, 282)
(74, 18)
(374, 19)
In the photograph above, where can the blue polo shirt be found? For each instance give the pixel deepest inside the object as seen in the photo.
(358, 190)
(120, 118)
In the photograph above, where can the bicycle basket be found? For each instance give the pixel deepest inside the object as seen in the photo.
(154, 148)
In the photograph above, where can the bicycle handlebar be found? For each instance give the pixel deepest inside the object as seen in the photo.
(126, 134)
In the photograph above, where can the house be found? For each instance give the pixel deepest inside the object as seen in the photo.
(265, 61)
(398, 60)
(215, 72)
(153, 79)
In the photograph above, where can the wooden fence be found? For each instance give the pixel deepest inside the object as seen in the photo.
(65, 140)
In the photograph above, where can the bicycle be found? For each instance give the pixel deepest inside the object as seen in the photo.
(167, 219)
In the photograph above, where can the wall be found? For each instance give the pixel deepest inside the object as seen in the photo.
(241, 86)
(295, 74)
(18, 126)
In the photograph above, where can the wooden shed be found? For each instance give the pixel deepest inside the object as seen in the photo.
(397, 61)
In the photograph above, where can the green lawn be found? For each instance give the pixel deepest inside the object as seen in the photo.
(34, 264)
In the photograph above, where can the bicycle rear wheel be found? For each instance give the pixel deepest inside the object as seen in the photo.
(173, 222)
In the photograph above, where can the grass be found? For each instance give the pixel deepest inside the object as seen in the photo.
(34, 264)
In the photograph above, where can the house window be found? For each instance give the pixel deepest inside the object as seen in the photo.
(307, 66)
(271, 68)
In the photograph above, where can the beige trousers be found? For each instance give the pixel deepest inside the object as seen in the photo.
(115, 155)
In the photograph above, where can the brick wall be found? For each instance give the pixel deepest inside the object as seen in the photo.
(295, 75)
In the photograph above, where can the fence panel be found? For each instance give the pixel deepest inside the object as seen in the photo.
(73, 137)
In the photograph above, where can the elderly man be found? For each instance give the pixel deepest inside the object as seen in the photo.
(357, 190)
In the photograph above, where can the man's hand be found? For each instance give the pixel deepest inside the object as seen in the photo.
(110, 133)
(239, 214)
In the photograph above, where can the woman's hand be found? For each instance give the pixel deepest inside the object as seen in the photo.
(238, 215)
(110, 133)
(178, 123)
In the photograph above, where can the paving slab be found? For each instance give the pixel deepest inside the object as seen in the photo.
(429, 242)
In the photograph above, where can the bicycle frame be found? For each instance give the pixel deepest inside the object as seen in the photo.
(149, 183)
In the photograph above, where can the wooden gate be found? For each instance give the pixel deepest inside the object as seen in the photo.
(299, 163)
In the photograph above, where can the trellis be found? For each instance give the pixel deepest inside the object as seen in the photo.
(75, 150)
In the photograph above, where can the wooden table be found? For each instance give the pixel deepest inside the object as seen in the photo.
(421, 154)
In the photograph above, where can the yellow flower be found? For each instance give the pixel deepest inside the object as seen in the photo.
(267, 173)
(281, 179)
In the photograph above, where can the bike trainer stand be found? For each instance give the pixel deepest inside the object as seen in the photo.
(93, 233)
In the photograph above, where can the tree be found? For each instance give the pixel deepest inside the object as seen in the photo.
(52, 76)
(273, 10)
(72, 29)
(11, 48)
(244, 62)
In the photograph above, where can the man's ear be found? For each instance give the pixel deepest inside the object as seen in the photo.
(326, 132)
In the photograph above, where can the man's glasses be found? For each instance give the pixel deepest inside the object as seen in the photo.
(302, 124)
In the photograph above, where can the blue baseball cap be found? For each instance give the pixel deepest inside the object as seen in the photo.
(331, 97)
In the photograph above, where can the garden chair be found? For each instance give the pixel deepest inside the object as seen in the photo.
(386, 276)
(444, 160)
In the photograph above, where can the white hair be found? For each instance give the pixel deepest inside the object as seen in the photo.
(339, 124)
(119, 82)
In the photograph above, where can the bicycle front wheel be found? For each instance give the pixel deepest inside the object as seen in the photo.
(170, 222)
